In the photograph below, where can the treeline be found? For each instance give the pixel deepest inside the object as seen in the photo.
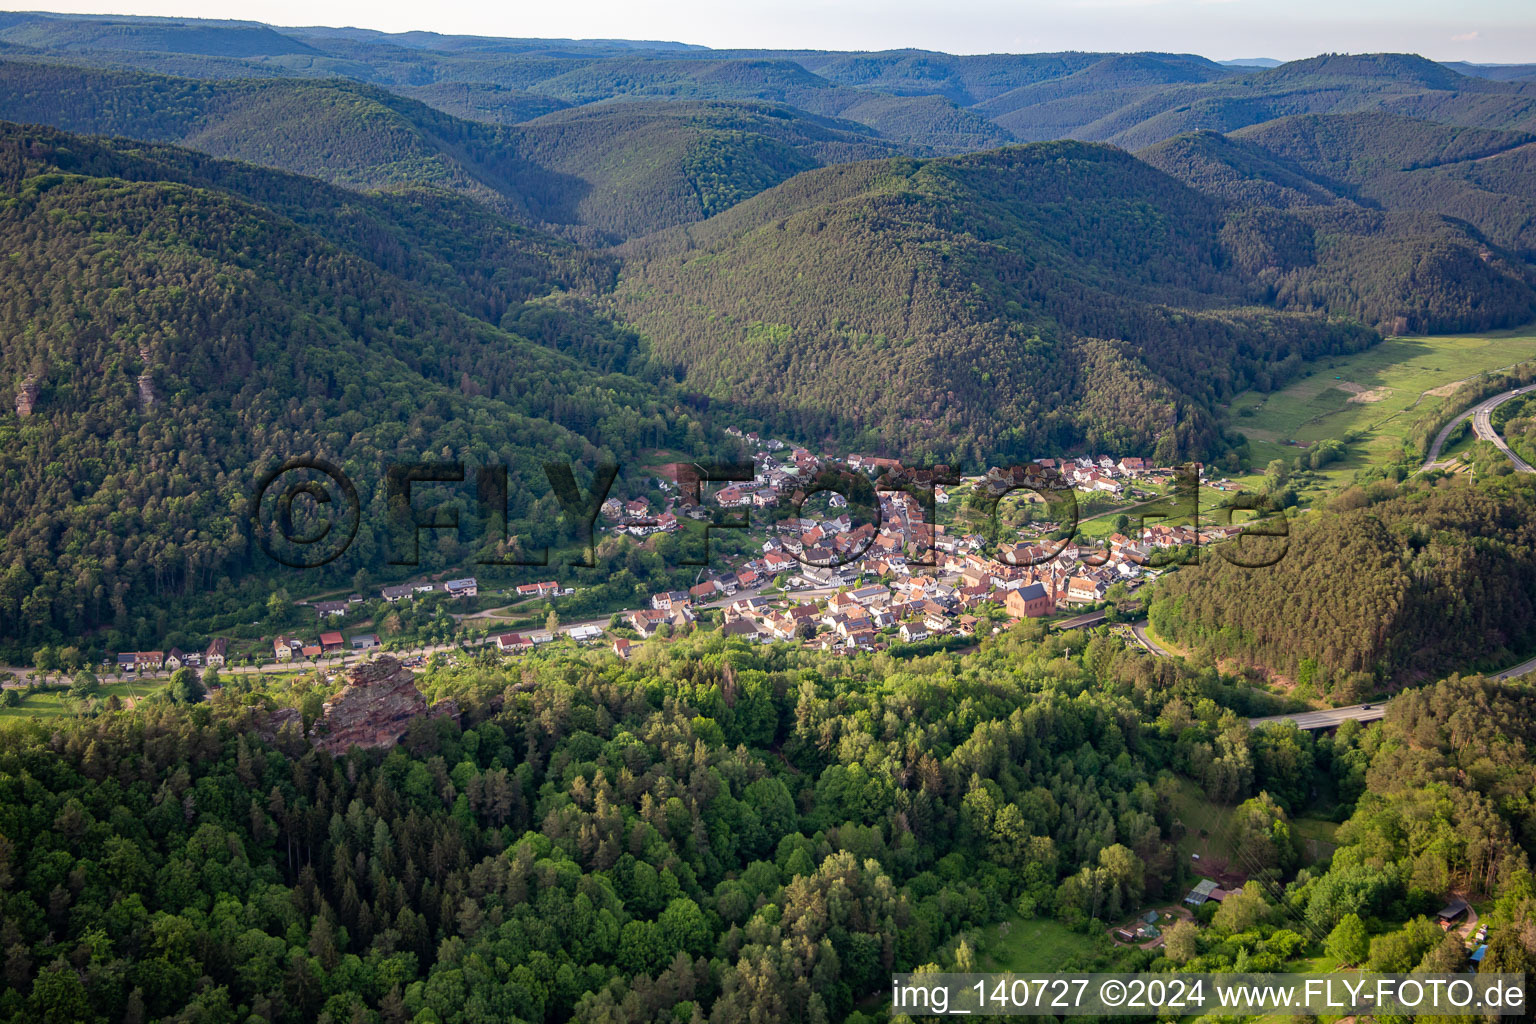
(1399, 585)
(940, 102)
(1426, 235)
(600, 174)
(1475, 175)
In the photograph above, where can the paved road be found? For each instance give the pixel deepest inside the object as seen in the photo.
(1326, 719)
(1140, 629)
(1524, 668)
(23, 675)
(1482, 424)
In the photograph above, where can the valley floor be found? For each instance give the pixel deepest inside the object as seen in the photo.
(1378, 392)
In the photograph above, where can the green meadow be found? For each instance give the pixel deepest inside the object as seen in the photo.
(1037, 944)
(55, 702)
(1378, 392)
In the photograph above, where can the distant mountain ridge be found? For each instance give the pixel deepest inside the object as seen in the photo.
(608, 171)
(920, 99)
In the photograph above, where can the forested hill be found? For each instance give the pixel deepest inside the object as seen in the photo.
(614, 170)
(184, 334)
(1044, 296)
(1334, 83)
(1243, 172)
(1049, 297)
(642, 166)
(1385, 589)
(1480, 176)
(1402, 222)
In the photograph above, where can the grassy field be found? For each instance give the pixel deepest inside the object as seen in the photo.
(1379, 392)
(1317, 837)
(55, 703)
(1206, 828)
(1039, 944)
(1170, 509)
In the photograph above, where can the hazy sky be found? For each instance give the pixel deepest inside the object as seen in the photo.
(1484, 31)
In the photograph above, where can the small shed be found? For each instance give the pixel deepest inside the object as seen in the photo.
(1452, 912)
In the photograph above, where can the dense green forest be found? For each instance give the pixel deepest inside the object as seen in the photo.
(613, 170)
(1428, 234)
(1033, 298)
(1395, 585)
(1471, 174)
(227, 244)
(183, 338)
(719, 833)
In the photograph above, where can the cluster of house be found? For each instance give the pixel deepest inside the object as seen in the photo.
(911, 578)
(1104, 474)
(466, 587)
(546, 589)
(780, 469)
(635, 517)
(513, 643)
(1142, 929)
(175, 658)
(286, 648)
(846, 583)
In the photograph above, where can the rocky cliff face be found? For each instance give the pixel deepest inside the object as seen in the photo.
(374, 709)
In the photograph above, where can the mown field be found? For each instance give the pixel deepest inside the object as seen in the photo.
(56, 702)
(1037, 944)
(1378, 392)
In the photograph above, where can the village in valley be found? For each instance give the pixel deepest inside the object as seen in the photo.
(939, 562)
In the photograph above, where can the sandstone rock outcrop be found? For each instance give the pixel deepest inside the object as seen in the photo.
(26, 396)
(374, 709)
